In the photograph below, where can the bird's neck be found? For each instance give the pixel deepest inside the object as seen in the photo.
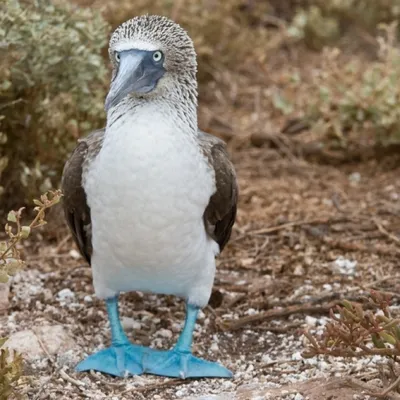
(179, 106)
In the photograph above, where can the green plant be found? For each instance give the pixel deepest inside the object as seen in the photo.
(351, 101)
(10, 258)
(324, 22)
(356, 332)
(52, 88)
(10, 372)
(10, 263)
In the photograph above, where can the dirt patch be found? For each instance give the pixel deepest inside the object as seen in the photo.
(306, 237)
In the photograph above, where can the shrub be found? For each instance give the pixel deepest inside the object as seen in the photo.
(355, 331)
(52, 88)
(350, 101)
(10, 259)
(10, 263)
(323, 22)
(10, 372)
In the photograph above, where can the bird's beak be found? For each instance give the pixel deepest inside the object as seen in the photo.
(136, 73)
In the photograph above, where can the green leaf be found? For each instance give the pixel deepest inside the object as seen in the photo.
(378, 342)
(387, 337)
(3, 277)
(25, 232)
(11, 217)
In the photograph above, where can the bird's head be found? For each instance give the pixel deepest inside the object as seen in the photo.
(151, 56)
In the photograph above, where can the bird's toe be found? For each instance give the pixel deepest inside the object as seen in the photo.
(183, 365)
(116, 360)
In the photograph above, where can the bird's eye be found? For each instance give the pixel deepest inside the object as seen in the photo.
(157, 56)
(117, 56)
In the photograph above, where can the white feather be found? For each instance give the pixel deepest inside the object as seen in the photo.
(147, 191)
(137, 44)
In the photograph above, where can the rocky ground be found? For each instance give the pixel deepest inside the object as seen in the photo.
(307, 235)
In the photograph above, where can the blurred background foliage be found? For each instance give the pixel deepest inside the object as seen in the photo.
(329, 65)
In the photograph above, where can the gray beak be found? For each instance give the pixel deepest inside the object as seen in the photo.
(137, 73)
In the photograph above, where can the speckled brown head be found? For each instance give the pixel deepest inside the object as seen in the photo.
(151, 56)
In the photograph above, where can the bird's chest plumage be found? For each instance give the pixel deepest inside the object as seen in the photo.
(147, 191)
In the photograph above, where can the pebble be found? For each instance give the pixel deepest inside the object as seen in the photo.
(165, 333)
(65, 294)
(296, 356)
(298, 270)
(311, 321)
(214, 348)
(344, 266)
(175, 327)
(355, 177)
(74, 254)
(87, 299)
(200, 315)
(130, 324)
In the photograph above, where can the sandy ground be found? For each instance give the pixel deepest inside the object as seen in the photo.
(306, 234)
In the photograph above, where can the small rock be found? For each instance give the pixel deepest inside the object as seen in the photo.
(214, 348)
(87, 299)
(327, 287)
(250, 368)
(130, 323)
(74, 254)
(298, 397)
(345, 266)
(165, 333)
(200, 315)
(311, 321)
(297, 356)
(31, 343)
(266, 359)
(180, 393)
(176, 327)
(65, 294)
(298, 270)
(355, 177)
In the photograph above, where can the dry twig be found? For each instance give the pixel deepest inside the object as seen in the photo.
(232, 325)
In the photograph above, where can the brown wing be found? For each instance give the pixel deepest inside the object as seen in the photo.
(220, 213)
(76, 209)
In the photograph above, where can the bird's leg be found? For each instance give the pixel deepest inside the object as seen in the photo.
(122, 358)
(118, 337)
(184, 343)
(179, 362)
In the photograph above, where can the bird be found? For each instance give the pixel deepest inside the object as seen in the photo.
(151, 199)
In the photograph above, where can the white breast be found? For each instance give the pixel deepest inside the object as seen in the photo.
(147, 191)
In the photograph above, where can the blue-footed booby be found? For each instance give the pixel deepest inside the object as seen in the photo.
(151, 199)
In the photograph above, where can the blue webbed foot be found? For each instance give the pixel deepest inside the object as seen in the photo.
(118, 360)
(182, 364)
